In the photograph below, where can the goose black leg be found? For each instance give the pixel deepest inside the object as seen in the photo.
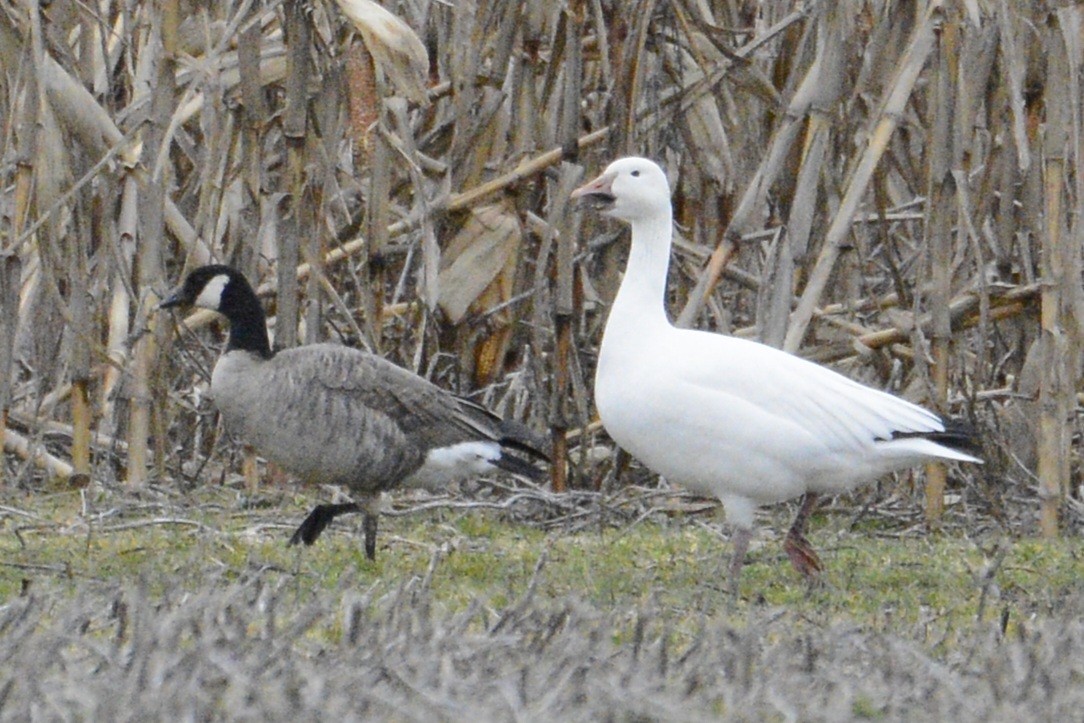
(321, 517)
(802, 555)
(369, 525)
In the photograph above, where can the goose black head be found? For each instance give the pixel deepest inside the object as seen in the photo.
(209, 287)
(226, 290)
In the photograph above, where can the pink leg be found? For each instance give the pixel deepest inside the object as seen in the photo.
(742, 535)
(802, 555)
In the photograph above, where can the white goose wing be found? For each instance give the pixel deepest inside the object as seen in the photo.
(840, 412)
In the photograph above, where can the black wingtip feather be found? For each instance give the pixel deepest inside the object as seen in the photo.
(958, 435)
(518, 437)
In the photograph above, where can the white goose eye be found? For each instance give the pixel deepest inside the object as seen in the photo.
(635, 174)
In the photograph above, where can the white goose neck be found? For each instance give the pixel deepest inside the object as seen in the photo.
(642, 297)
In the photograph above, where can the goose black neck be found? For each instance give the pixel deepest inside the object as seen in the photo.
(248, 323)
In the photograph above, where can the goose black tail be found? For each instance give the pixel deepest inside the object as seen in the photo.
(517, 438)
(521, 467)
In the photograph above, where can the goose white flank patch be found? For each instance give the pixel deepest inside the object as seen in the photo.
(732, 418)
(335, 415)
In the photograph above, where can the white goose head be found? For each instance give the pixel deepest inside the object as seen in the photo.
(631, 190)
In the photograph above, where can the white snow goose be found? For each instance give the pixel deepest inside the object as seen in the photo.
(331, 414)
(732, 418)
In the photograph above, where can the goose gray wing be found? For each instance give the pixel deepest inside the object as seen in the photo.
(426, 414)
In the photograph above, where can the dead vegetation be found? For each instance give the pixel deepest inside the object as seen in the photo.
(887, 187)
(251, 649)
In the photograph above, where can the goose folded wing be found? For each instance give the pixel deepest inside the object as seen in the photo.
(423, 411)
(840, 411)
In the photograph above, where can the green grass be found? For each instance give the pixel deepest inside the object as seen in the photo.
(675, 568)
(463, 608)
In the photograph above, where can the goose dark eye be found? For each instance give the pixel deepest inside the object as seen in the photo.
(635, 174)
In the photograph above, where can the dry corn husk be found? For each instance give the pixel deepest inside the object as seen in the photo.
(395, 47)
(475, 258)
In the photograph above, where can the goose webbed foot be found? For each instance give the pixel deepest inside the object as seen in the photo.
(321, 516)
(802, 555)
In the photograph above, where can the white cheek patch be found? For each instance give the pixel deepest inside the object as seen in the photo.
(211, 296)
